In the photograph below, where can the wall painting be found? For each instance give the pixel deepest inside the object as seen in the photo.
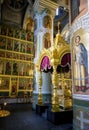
(80, 62)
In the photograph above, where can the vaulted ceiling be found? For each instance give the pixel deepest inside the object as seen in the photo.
(13, 12)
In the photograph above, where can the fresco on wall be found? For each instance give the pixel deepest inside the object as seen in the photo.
(78, 8)
(47, 40)
(80, 62)
(47, 22)
(29, 25)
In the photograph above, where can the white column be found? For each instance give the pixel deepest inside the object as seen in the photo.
(46, 83)
(36, 86)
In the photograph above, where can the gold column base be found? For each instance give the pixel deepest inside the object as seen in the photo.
(55, 103)
(4, 113)
(40, 102)
(55, 108)
(68, 104)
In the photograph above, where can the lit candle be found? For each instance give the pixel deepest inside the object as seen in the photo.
(5, 103)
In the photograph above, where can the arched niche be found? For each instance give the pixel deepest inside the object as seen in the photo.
(29, 24)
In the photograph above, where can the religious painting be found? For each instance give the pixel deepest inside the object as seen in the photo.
(78, 8)
(22, 83)
(16, 46)
(22, 57)
(15, 56)
(23, 34)
(28, 69)
(21, 69)
(29, 24)
(17, 33)
(80, 62)
(2, 54)
(22, 47)
(15, 68)
(47, 22)
(9, 44)
(8, 67)
(8, 55)
(47, 40)
(28, 48)
(1, 67)
(13, 86)
(2, 43)
(28, 83)
(27, 57)
(4, 83)
(30, 36)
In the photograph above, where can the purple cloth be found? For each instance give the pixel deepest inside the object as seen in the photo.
(45, 64)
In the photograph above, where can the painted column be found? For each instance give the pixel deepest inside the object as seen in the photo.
(44, 13)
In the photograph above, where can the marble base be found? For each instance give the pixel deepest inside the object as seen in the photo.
(61, 117)
(41, 109)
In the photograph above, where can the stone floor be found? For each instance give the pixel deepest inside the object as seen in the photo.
(22, 117)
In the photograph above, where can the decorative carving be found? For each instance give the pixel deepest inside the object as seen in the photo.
(55, 103)
(59, 39)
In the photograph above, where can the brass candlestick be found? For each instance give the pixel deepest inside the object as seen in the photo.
(55, 102)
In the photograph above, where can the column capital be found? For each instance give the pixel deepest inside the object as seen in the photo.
(45, 5)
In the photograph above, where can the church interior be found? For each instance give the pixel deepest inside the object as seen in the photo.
(44, 49)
